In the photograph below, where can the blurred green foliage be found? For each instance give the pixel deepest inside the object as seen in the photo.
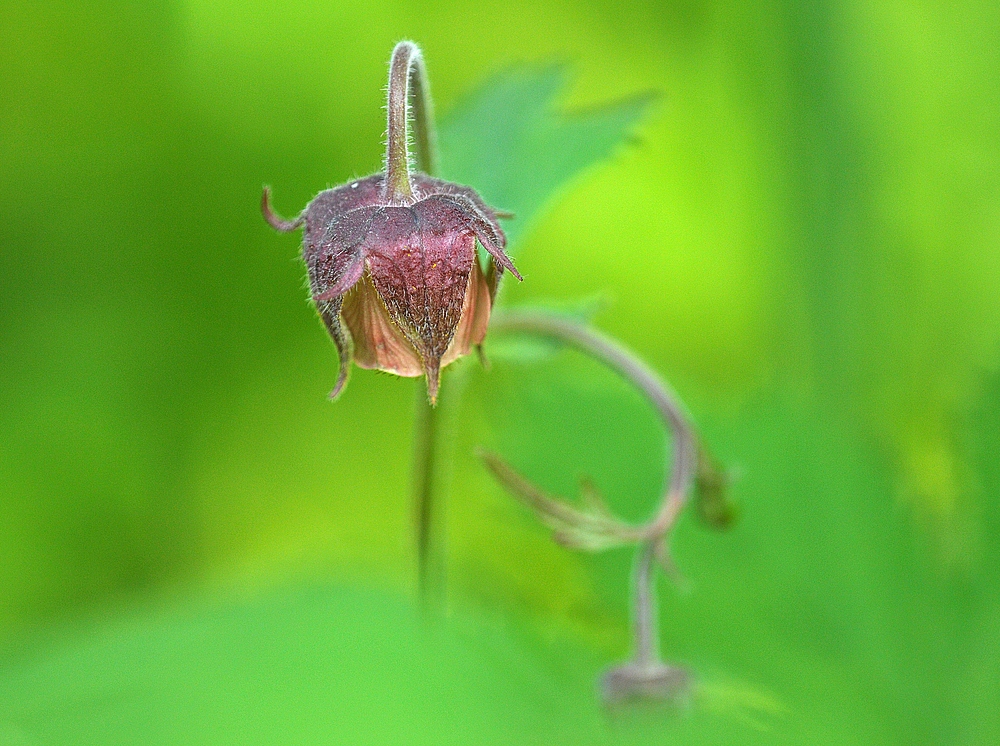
(802, 237)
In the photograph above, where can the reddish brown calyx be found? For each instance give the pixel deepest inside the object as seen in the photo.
(401, 284)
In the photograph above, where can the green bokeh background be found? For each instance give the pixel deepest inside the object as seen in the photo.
(801, 234)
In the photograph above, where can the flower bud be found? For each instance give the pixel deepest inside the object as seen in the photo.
(401, 283)
(392, 261)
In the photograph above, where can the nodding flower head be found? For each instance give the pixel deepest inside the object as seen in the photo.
(392, 261)
(402, 282)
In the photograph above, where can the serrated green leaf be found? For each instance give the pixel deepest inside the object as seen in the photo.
(509, 141)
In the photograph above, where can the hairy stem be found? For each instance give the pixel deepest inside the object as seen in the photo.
(409, 97)
(409, 100)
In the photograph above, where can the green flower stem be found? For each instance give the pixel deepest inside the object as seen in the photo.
(425, 446)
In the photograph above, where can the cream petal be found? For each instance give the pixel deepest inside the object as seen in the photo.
(475, 317)
(378, 342)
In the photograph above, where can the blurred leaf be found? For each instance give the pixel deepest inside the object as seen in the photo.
(509, 142)
(319, 665)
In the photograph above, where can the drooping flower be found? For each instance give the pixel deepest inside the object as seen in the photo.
(401, 283)
(392, 261)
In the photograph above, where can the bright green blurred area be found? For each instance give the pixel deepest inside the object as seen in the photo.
(802, 236)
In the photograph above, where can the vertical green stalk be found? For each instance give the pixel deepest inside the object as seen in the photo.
(409, 100)
(425, 446)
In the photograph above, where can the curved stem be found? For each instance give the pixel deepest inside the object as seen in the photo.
(681, 466)
(409, 98)
(683, 461)
(409, 94)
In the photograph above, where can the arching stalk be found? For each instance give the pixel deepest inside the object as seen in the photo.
(594, 528)
(409, 101)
